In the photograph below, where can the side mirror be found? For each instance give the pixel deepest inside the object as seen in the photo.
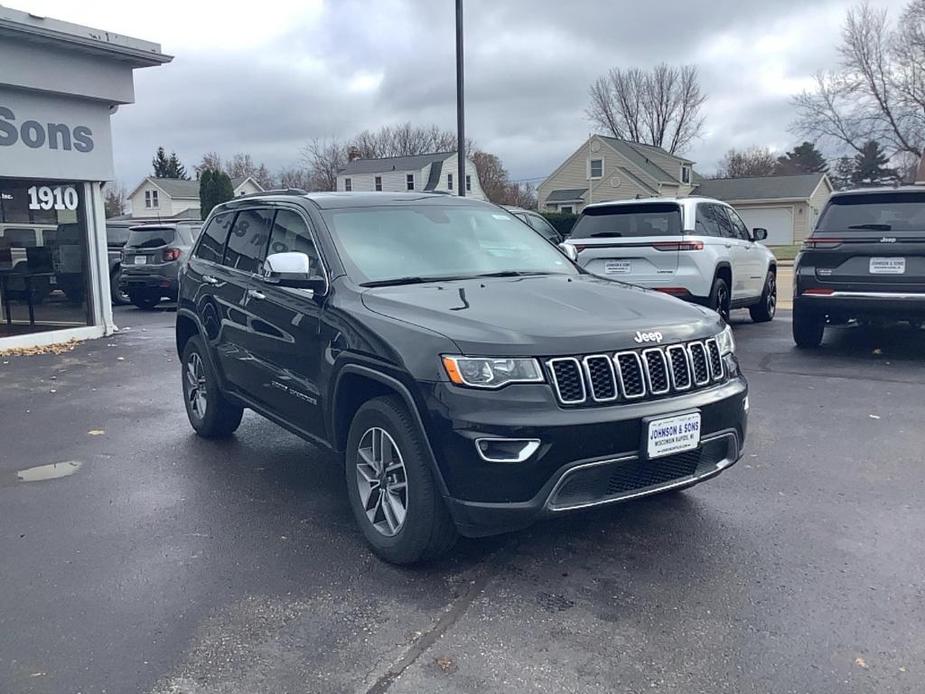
(292, 270)
(759, 234)
(570, 251)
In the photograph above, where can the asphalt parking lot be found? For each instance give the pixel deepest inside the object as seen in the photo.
(163, 563)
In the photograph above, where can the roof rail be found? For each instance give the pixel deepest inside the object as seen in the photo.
(275, 191)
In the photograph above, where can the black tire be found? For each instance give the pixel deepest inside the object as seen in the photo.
(214, 417)
(119, 296)
(144, 300)
(720, 298)
(808, 328)
(766, 308)
(427, 530)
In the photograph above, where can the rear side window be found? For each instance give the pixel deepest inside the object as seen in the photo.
(874, 212)
(116, 236)
(705, 223)
(626, 221)
(151, 238)
(542, 226)
(247, 241)
(212, 243)
(740, 228)
(726, 228)
(291, 235)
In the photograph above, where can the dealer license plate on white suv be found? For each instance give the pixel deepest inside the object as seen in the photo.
(673, 434)
(618, 267)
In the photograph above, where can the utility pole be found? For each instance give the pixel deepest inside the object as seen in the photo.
(460, 104)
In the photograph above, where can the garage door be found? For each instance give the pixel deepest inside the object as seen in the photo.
(777, 220)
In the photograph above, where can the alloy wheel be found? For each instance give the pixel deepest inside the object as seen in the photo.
(382, 481)
(772, 295)
(196, 392)
(722, 303)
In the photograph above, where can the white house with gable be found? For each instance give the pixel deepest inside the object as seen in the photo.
(173, 198)
(430, 173)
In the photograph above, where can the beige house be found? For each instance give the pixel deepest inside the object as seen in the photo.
(787, 206)
(605, 168)
(174, 198)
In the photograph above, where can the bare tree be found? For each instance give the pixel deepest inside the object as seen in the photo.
(211, 161)
(754, 161)
(114, 202)
(242, 165)
(878, 91)
(659, 107)
(324, 158)
(294, 177)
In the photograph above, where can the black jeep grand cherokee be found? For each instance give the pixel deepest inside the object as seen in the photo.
(474, 378)
(864, 260)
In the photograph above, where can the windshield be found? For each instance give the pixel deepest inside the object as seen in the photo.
(151, 238)
(421, 242)
(622, 221)
(874, 212)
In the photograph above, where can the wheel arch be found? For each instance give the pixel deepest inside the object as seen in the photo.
(356, 384)
(723, 271)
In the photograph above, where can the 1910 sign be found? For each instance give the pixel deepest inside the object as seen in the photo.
(57, 198)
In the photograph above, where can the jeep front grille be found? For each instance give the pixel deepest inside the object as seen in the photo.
(652, 372)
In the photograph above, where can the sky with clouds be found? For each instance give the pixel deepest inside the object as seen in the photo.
(268, 79)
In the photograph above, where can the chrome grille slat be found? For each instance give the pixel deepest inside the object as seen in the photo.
(630, 374)
(656, 366)
(700, 366)
(601, 378)
(715, 359)
(680, 371)
(568, 380)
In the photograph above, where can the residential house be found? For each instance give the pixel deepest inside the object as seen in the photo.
(606, 168)
(431, 173)
(174, 198)
(787, 206)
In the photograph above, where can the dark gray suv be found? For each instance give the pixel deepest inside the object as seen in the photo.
(150, 260)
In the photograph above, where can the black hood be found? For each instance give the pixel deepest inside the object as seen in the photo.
(542, 315)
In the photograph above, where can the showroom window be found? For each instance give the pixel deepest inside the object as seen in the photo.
(43, 256)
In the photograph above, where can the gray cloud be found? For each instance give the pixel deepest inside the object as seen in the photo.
(528, 67)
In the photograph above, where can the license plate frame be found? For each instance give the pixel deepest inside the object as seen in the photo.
(140, 260)
(887, 266)
(681, 441)
(618, 267)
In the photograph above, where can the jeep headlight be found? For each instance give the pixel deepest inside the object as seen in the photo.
(726, 342)
(490, 372)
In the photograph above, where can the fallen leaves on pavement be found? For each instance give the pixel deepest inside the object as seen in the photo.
(57, 348)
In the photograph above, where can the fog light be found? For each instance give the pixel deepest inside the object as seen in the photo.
(506, 450)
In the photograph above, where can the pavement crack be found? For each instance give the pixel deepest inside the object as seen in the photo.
(456, 610)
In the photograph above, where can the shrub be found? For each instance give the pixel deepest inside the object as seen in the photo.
(563, 222)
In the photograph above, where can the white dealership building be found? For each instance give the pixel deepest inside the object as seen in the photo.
(59, 85)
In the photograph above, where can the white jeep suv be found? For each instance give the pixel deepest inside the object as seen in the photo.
(698, 249)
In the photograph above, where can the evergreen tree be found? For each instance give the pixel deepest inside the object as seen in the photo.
(175, 169)
(161, 164)
(843, 174)
(205, 192)
(804, 159)
(870, 166)
(214, 188)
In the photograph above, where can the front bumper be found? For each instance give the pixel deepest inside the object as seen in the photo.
(586, 456)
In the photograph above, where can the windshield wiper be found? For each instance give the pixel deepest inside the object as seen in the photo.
(395, 281)
(875, 227)
(512, 273)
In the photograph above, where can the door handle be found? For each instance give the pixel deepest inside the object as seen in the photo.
(254, 294)
(208, 279)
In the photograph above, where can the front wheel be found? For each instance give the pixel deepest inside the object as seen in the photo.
(209, 412)
(766, 307)
(392, 490)
(808, 328)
